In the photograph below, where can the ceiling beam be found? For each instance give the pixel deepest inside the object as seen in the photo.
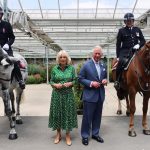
(77, 9)
(59, 9)
(96, 9)
(134, 6)
(20, 5)
(40, 8)
(115, 9)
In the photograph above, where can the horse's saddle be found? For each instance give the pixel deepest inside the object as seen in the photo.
(128, 63)
(125, 64)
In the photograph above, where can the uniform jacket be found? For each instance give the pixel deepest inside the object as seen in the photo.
(88, 73)
(6, 35)
(127, 38)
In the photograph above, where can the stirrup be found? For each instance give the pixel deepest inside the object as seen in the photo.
(117, 85)
(4, 62)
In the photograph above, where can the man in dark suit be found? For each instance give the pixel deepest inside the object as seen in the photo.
(93, 76)
(129, 39)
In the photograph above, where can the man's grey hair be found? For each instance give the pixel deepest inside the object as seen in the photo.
(98, 46)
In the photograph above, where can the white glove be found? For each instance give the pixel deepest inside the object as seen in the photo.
(137, 46)
(6, 47)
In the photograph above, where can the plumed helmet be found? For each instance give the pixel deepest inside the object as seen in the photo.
(128, 16)
(1, 10)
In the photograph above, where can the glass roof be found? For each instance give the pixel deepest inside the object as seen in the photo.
(74, 25)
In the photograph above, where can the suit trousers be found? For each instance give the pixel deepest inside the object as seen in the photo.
(92, 112)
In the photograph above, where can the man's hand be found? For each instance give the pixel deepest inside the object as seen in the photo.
(67, 84)
(6, 47)
(104, 82)
(95, 84)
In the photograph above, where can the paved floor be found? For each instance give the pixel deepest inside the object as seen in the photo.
(37, 101)
(34, 133)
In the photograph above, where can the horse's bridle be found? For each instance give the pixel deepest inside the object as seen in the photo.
(146, 70)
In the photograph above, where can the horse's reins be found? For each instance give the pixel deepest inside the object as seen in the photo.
(146, 70)
(5, 79)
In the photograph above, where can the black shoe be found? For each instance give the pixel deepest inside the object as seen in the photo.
(98, 139)
(22, 84)
(85, 141)
(117, 85)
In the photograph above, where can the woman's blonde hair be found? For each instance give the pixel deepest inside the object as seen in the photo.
(63, 52)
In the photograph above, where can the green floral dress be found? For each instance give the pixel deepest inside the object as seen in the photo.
(62, 114)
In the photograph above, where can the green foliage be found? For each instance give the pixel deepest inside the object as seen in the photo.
(37, 73)
(33, 80)
(34, 69)
(78, 89)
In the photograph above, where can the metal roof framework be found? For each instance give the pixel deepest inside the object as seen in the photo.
(76, 30)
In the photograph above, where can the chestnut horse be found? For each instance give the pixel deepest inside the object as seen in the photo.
(137, 79)
(119, 110)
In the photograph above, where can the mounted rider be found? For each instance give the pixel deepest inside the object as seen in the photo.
(129, 39)
(7, 38)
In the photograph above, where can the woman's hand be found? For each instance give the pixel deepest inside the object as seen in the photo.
(67, 84)
(58, 85)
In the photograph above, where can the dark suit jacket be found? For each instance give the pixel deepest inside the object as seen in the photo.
(88, 73)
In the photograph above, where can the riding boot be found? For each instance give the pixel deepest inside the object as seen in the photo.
(118, 79)
(18, 76)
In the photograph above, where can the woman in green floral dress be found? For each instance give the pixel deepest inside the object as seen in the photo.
(62, 109)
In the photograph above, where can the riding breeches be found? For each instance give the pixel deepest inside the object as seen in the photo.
(17, 72)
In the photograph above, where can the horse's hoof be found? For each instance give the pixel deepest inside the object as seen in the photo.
(127, 113)
(146, 131)
(19, 121)
(13, 136)
(119, 112)
(132, 133)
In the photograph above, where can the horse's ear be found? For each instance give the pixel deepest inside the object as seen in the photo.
(148, 44)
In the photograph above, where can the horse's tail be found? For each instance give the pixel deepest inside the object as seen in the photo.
(22, 97)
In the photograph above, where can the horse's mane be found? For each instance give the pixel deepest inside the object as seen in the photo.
(145, 46)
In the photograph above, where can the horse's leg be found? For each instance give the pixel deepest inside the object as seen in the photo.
(132, 132)
(128, 106)
(12, 98)
(119, 111)
(18, 100)
(146, 129)
(7, 104)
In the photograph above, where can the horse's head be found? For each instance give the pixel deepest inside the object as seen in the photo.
(113, 62)
(148, 45)
(145, 51)
(144, 54)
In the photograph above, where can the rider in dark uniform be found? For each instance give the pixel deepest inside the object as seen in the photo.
(129, 39)
(6, 40)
